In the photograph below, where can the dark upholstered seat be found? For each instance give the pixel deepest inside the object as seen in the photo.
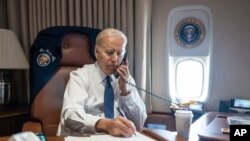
(76, 49)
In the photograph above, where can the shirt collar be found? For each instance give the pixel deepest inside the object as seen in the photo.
(102, 74)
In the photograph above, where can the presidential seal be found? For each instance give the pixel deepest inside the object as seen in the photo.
(43, 59)
(189, 32)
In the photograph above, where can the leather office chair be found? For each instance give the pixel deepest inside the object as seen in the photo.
(76, 46)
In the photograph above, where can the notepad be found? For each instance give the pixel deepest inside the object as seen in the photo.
(106, 137)
(73, 138)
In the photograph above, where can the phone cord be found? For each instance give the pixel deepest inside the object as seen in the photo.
(152, 94)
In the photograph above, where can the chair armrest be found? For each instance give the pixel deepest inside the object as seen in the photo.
(32, 126)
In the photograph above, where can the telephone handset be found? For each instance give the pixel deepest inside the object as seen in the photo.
(141, 89)
(124, 59)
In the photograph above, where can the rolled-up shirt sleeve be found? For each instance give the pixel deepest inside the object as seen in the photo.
(133, 106)
(74, 117)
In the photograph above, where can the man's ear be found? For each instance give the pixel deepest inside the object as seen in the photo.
(97, 52)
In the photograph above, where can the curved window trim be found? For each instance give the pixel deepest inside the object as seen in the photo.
(179, 92)
(174, 53)
(173, 62)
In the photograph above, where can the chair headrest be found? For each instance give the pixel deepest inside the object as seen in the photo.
(46, 52)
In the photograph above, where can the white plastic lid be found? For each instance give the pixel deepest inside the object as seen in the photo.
(183, 113)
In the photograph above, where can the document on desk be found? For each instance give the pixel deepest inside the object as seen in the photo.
(106, 137)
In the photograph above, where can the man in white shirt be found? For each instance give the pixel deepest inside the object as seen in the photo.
(83, 105)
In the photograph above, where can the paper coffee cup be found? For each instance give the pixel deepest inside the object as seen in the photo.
(183, 119)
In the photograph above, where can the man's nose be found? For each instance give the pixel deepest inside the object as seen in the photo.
(115, 57)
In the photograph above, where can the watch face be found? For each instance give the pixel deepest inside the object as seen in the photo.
(189, 32)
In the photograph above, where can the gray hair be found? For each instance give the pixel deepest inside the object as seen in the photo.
(110, 32)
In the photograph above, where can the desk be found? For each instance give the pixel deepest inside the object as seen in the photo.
(12, 118)
(196, 127)
(164, 135)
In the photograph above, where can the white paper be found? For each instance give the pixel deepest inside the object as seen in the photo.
(72, 138)
(106, 137)
(238, 120)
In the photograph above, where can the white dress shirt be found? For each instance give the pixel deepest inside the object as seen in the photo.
(84, 100)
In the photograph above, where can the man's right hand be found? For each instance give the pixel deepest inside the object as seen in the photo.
(119, 126)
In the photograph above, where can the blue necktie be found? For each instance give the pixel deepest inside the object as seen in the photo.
(108, 99)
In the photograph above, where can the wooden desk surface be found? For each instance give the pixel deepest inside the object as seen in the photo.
(13, 110)
(164, 135)
(198, 126)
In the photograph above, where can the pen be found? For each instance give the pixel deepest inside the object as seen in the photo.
(122, 114)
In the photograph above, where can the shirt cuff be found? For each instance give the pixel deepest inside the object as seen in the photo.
(127, 100)
(92, 122)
